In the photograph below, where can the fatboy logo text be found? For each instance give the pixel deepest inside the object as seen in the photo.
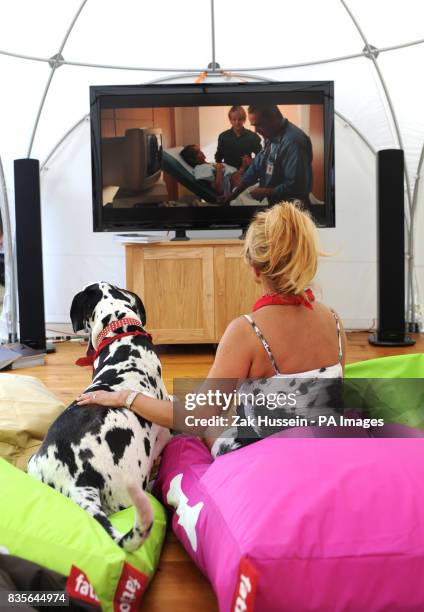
(79, 587)
(245, 592)
(128, 594)
(130, 589)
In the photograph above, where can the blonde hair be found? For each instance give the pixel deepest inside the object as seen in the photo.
(282, 244)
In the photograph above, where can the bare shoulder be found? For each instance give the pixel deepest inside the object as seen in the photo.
(236, 331)
(237, 325)
(233, 356)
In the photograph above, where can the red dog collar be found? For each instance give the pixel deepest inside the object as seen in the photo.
(92, 355)
(116, 325)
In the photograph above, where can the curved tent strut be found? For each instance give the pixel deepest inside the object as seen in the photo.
(57, 62)
(64, 137)
(410, 294)
(185, 71)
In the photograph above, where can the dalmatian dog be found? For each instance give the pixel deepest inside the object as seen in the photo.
(101, 457)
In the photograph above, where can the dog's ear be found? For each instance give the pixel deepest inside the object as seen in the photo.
(141, 311)
(83, 305)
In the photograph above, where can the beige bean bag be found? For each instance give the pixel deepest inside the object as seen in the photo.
(27, 409)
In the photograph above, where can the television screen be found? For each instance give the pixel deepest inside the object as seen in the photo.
(209, 156)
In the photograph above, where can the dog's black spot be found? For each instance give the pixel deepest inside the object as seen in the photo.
(159, 371)
(85, 454)
(143, 342)
(106, 320)
(110, 379)
(147, 446)
(69, 427)
(65, 454)
(119, 295)
(120, 361)
(119, 315)
(144, 482)
(135, 352)
(121, 507)
(109, 476)
(98, 440)
(139, 463)
(118, 439)
(51, 484)
(121, 355)
(90, 478)
(142, 421)
(131, 369)
(104, 522)
(153, 381)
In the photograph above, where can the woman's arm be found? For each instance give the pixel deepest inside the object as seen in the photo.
(232, 362)
(152, 409)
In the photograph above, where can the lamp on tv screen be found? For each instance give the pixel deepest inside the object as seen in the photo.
(210, 156)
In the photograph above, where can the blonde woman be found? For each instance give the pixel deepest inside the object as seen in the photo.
(288, 334)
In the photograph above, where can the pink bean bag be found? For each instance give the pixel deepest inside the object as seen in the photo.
(298, 524)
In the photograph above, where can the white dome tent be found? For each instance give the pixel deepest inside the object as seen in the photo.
(51, 52)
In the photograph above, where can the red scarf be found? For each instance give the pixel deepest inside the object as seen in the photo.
(285, 299)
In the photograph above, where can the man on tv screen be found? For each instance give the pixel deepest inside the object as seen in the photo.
(237, 143)
(283, 167)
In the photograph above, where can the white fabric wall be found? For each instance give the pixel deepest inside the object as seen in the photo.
(167, 34)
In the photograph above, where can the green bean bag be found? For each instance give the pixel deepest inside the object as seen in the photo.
(391, 388)
(39, 524)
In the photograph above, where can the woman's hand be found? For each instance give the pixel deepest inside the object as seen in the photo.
(113, 399)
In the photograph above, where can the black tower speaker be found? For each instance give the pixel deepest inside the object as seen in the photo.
(390, 251)
(29, 256)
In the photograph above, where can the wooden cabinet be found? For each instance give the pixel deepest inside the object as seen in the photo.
(191, 290)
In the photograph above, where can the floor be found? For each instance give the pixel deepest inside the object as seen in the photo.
(178, 584)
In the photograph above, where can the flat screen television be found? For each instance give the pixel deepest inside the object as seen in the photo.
(208, 156)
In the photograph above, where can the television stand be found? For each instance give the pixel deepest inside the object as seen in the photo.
(191, 289)
(180, 234)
